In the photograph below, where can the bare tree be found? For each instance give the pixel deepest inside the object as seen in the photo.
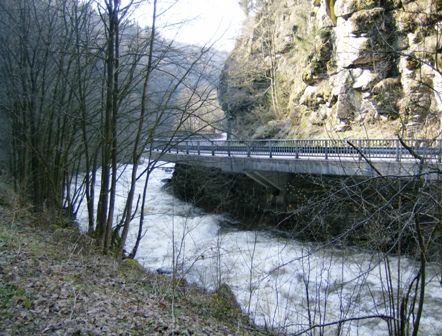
(86, 91)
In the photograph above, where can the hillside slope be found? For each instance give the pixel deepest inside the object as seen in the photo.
(53, 281)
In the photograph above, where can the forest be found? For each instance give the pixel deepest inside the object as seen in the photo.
(86, 88)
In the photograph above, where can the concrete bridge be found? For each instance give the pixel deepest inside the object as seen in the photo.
(265, 160)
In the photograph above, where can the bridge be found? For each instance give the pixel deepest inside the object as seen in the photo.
(262, 160)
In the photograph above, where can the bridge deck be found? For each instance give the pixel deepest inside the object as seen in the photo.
(318, 157)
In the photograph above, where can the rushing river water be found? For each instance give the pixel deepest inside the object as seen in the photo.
(281, 283)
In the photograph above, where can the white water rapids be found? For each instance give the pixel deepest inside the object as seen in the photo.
(281, 283)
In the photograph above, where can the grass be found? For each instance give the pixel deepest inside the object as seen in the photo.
(13, 295)
(54, 278)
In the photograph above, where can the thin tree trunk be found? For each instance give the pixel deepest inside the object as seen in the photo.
(136, 153)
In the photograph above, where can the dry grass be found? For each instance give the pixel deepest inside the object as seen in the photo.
(54, 281)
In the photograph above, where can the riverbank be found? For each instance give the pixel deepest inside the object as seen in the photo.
(354, 249)
(54, 281)
(363, 212)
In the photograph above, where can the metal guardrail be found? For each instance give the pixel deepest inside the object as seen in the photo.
(298, 148)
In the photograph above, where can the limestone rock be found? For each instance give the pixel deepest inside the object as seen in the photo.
(416, 105)
(365, 20)
(368, 113)
(362, 78)
(337, 65)
(345, 9)
(346, 106)
(386, 95)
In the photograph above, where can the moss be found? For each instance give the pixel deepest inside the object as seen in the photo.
(438, 58)
(366, 4)
(307, 76)
(367, 19)
(223, 303)
(321, 96)
(281, 77)
(413, 63)
(304, 124)
(13, 295)
(313, 73)
(310, 101)
(407, 22)
(324, 92)
(131, 265)
(331, 65)
(325, 34)
(319, 58)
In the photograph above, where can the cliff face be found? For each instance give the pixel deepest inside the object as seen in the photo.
(311, 68)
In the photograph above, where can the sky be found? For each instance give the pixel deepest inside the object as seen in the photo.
(198, 22)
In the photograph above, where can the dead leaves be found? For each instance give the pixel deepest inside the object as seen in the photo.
(50, 286)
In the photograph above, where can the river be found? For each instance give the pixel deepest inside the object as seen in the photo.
(280, 283)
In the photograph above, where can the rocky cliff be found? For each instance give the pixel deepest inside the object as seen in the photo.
(348, 68)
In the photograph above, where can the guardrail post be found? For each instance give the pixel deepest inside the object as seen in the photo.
(270, 149)
(369, 142)
(360, 149)
(326, 149)
(228, 148)
(248, 149)
(398, 151)
(199, 149)
(187, 147)
(213, 148)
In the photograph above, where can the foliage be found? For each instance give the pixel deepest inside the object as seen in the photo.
(11, 295)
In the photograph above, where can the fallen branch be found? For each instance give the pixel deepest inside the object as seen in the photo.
(350, 319)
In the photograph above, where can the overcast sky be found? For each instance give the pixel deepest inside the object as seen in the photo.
(203, 21)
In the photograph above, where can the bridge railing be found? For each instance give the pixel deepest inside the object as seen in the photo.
(391, 149)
